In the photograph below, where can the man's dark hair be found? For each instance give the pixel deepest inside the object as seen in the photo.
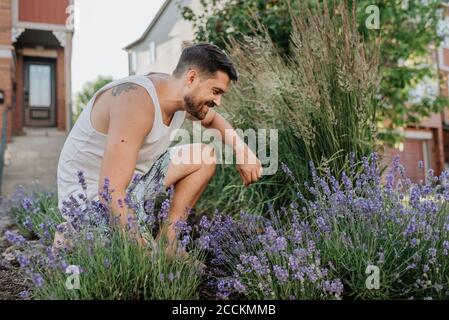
(208, 58)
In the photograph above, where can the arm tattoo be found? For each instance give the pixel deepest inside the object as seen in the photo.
(123, 87)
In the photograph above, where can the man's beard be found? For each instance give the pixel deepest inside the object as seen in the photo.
(197, 109)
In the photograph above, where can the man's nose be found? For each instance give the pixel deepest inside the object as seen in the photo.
(217, 100)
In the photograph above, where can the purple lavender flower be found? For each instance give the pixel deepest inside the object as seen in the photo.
(25, 294)
(37, 280)
(14, 238)
(28, 204)
(333, 287)
(280, 273)
(106, 193)
(445, 247)
(223, 290)
(204, 242)
(286, 170)
(64, 264)
(204, 223)
(23, 261)
(432, 252)
(164, 209)
(28, 223)
(238, 286)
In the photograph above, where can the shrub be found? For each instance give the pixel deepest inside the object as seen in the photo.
(258, 258)
(321, 101)
(399, 226)
(322, 244)
(34, 210)
(112, 264)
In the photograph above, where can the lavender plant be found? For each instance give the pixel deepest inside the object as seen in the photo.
(112, 264)
(259, 258)
(321, 246)
(34, 210)
(392, 223)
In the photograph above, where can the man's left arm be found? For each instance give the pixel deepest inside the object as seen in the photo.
(248, 165)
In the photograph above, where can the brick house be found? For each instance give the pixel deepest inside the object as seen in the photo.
(35, 68)
(428, 141)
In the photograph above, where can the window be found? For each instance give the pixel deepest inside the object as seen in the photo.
(151, 52)
(40, 85)
(132, 61)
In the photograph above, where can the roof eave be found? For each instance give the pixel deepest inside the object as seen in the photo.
(153, 22)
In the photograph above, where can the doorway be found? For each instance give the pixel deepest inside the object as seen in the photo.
(39, 95)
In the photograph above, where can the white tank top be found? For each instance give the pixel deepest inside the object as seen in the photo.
(84, 146)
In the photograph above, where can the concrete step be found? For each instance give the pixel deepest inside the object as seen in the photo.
(32, 156)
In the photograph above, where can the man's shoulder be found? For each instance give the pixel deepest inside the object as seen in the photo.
(131, 103)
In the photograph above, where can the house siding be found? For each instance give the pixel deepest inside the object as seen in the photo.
(43, 11)
(168, 33)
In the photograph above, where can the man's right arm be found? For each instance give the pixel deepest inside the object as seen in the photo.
(131, 115)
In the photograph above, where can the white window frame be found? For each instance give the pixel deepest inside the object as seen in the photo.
(133, 61)
(151, 52)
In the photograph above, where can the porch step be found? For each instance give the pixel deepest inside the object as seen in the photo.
(32, 157)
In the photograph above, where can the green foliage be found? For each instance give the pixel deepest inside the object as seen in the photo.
(112, 265)
(408, 33)
(119, 269)
(35, 211)
(320, 101)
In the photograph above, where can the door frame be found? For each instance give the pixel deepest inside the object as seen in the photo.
(27, 119)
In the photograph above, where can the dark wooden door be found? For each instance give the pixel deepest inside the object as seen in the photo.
(39, 93)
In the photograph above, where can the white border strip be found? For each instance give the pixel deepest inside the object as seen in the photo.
(420, 135)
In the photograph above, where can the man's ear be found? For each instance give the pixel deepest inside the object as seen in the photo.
(191, 76)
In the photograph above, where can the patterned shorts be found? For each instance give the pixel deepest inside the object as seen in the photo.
(144, 191)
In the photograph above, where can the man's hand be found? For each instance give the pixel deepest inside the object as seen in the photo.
(248, 166)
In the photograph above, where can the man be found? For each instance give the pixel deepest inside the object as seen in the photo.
(125, 129)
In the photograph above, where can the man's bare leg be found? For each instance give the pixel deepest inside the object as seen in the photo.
(190, 179)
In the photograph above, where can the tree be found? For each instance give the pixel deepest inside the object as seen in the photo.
(408, 33)
(87, 92)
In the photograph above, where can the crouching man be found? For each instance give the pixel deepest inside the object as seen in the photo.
(126, 129)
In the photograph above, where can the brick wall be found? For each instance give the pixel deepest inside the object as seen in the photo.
(43, 11)
(17, 113)
(60, 90)
(5, 22)
(409, 158)
(6, 67)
